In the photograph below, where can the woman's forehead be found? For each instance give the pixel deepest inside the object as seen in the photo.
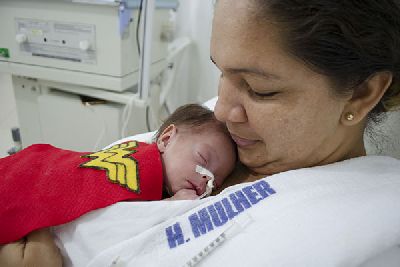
(241, 42)
(235, 6)
(235, 15)
(241, 15)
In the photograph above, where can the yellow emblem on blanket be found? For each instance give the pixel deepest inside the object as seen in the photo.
(120, 167)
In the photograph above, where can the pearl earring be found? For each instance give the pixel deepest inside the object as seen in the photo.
(349, 116)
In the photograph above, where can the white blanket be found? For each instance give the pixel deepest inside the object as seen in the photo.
(336, 215)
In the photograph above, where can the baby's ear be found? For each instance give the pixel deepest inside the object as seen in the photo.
(165, 137)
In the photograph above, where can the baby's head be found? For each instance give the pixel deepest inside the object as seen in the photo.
(192, 136)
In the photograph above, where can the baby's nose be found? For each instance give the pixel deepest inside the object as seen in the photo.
(203, 183)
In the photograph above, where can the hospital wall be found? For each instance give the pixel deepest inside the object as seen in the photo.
(198, 77)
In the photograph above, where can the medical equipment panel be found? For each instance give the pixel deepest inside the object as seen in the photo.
(76, 42)
(75, 68)
(58, 40)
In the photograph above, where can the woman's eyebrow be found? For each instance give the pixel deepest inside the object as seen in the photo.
(257, 71)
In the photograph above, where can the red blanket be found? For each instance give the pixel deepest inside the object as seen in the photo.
(44, 186)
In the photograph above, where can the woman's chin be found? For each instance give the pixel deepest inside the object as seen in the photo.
(251, 161)
(260, 165)
(255, 155)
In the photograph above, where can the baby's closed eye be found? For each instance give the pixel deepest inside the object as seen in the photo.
(202, 159)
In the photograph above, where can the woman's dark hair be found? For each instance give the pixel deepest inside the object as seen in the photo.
(192, 116)
(347, 40)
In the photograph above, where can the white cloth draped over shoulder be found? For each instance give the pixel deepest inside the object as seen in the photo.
(342, 214)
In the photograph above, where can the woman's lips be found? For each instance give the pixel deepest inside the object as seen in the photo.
(242, 142)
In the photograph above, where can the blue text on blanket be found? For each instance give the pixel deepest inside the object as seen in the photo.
(219, 213)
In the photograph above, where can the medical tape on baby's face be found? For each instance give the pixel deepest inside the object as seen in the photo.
(210, 183)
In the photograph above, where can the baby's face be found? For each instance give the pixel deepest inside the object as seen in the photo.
(182, 149)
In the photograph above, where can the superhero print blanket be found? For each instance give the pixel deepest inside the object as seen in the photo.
(44, 186)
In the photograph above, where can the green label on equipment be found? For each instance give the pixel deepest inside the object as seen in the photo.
(4, 53)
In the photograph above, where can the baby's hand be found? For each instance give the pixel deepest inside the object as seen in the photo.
(183, 194)
(36, 249)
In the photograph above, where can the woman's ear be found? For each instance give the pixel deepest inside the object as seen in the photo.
(366, 97)
(165, 137)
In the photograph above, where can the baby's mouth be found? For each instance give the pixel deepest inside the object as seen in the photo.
(195, 188)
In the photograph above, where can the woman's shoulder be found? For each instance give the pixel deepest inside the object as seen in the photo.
(369, 167)
(365, 164)
(358, 172)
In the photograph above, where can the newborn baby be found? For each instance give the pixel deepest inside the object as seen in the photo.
(193, 154)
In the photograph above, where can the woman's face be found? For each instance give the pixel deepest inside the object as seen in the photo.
(281, 114)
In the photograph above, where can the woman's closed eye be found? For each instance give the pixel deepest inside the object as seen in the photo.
(262, 95)
(256, 94)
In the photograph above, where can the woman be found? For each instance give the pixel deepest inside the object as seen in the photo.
(297, 89)
(300, 80)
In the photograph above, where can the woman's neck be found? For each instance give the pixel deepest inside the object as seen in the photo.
(353, 147)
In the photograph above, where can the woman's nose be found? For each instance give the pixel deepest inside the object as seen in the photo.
(227, 110)
(229, 106)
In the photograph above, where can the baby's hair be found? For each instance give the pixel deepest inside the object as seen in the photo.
(192, 116)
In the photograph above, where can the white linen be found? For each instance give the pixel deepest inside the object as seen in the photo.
(341, 214)
(145, 137)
